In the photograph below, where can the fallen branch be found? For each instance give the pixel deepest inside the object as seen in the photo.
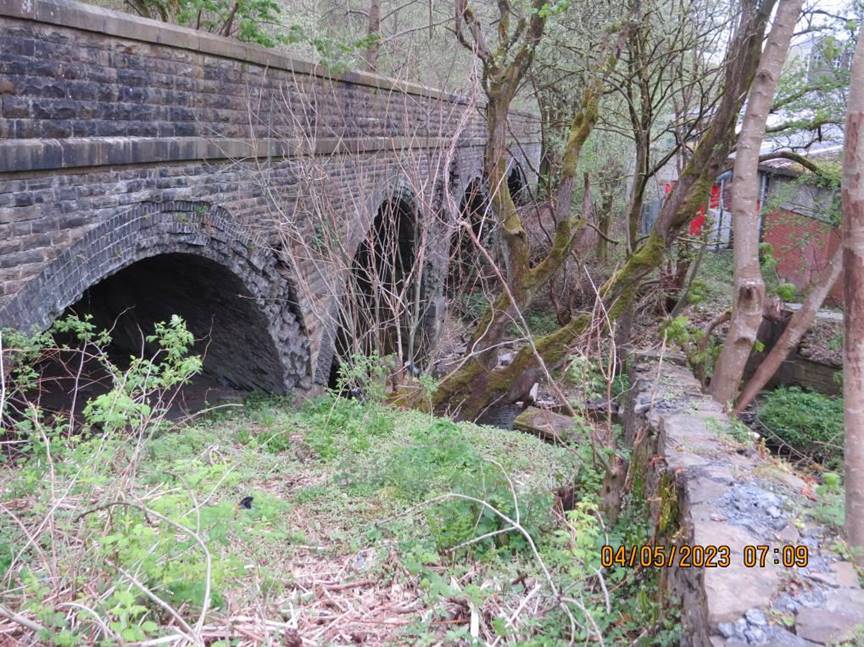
(21, 620)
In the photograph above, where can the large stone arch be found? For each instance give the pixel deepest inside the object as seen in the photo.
(517, 182)
(394, 191)
(472, 203)
(202, 258)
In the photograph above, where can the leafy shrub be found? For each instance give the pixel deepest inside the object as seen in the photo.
(774, 284)
(583, 373)
(698, 292)
(6, 553)
(810, 423)
(787, 291)
(701, 353)
(541, 323)
(588, 376)
(432, 461)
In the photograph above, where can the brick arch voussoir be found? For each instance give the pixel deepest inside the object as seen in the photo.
(175, 227)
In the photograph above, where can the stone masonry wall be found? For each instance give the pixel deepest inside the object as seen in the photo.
(104, 114)
(707, 488)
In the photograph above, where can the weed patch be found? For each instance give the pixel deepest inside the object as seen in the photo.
(810, 424)
(257, 521)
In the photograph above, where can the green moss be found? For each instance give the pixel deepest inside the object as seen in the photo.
(622, 286)
(668, 516)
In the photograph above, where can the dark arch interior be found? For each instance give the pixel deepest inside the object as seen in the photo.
(517, 184)
(231, 332)
(368, 320)
(464, 256)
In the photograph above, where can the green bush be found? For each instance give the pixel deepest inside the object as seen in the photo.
(810, 423)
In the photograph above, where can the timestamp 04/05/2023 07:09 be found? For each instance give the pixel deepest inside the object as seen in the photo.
(703, 556)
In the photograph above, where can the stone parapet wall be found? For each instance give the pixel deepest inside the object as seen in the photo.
(81, 73)
(77, 71)
(707, 488)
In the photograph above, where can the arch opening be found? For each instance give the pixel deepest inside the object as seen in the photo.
(231, 331)
(517, 183)
(465, 260)
(384, 305)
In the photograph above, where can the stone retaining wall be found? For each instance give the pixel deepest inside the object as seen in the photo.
(708, 488)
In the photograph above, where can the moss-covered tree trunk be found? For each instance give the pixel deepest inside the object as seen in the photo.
(794, 331)
(476, 385)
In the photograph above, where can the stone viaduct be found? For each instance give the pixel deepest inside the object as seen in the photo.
(150, 166)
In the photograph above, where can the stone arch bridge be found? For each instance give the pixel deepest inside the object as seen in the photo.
(150, 165)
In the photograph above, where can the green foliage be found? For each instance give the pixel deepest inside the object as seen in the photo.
(6, 550)
(809, 97)
(830, 509)
(590, 477)
(787, 291)
(336, 426)
(767, 260)
(168, 558)
(126, 611)
(247, 20)
(589, 378)
(368, 373)
(235, 495)
(810, 423)
(739, 431)
(135, 398)
(679, 331)
(711, 284)
(698, 292)
(438, 458)
(261, 22)
(540, 322)
(549, 9)
(701, 353)
(831, 483)
(734, 428)
(582, 372)
(433, 459)
(127, 404)
(638, 607)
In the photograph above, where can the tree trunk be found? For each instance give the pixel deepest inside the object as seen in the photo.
(853, 270)
(795, 329)
(603, 221)
(471, 389)
(373, 31)
(749, 290)
(637, 192)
